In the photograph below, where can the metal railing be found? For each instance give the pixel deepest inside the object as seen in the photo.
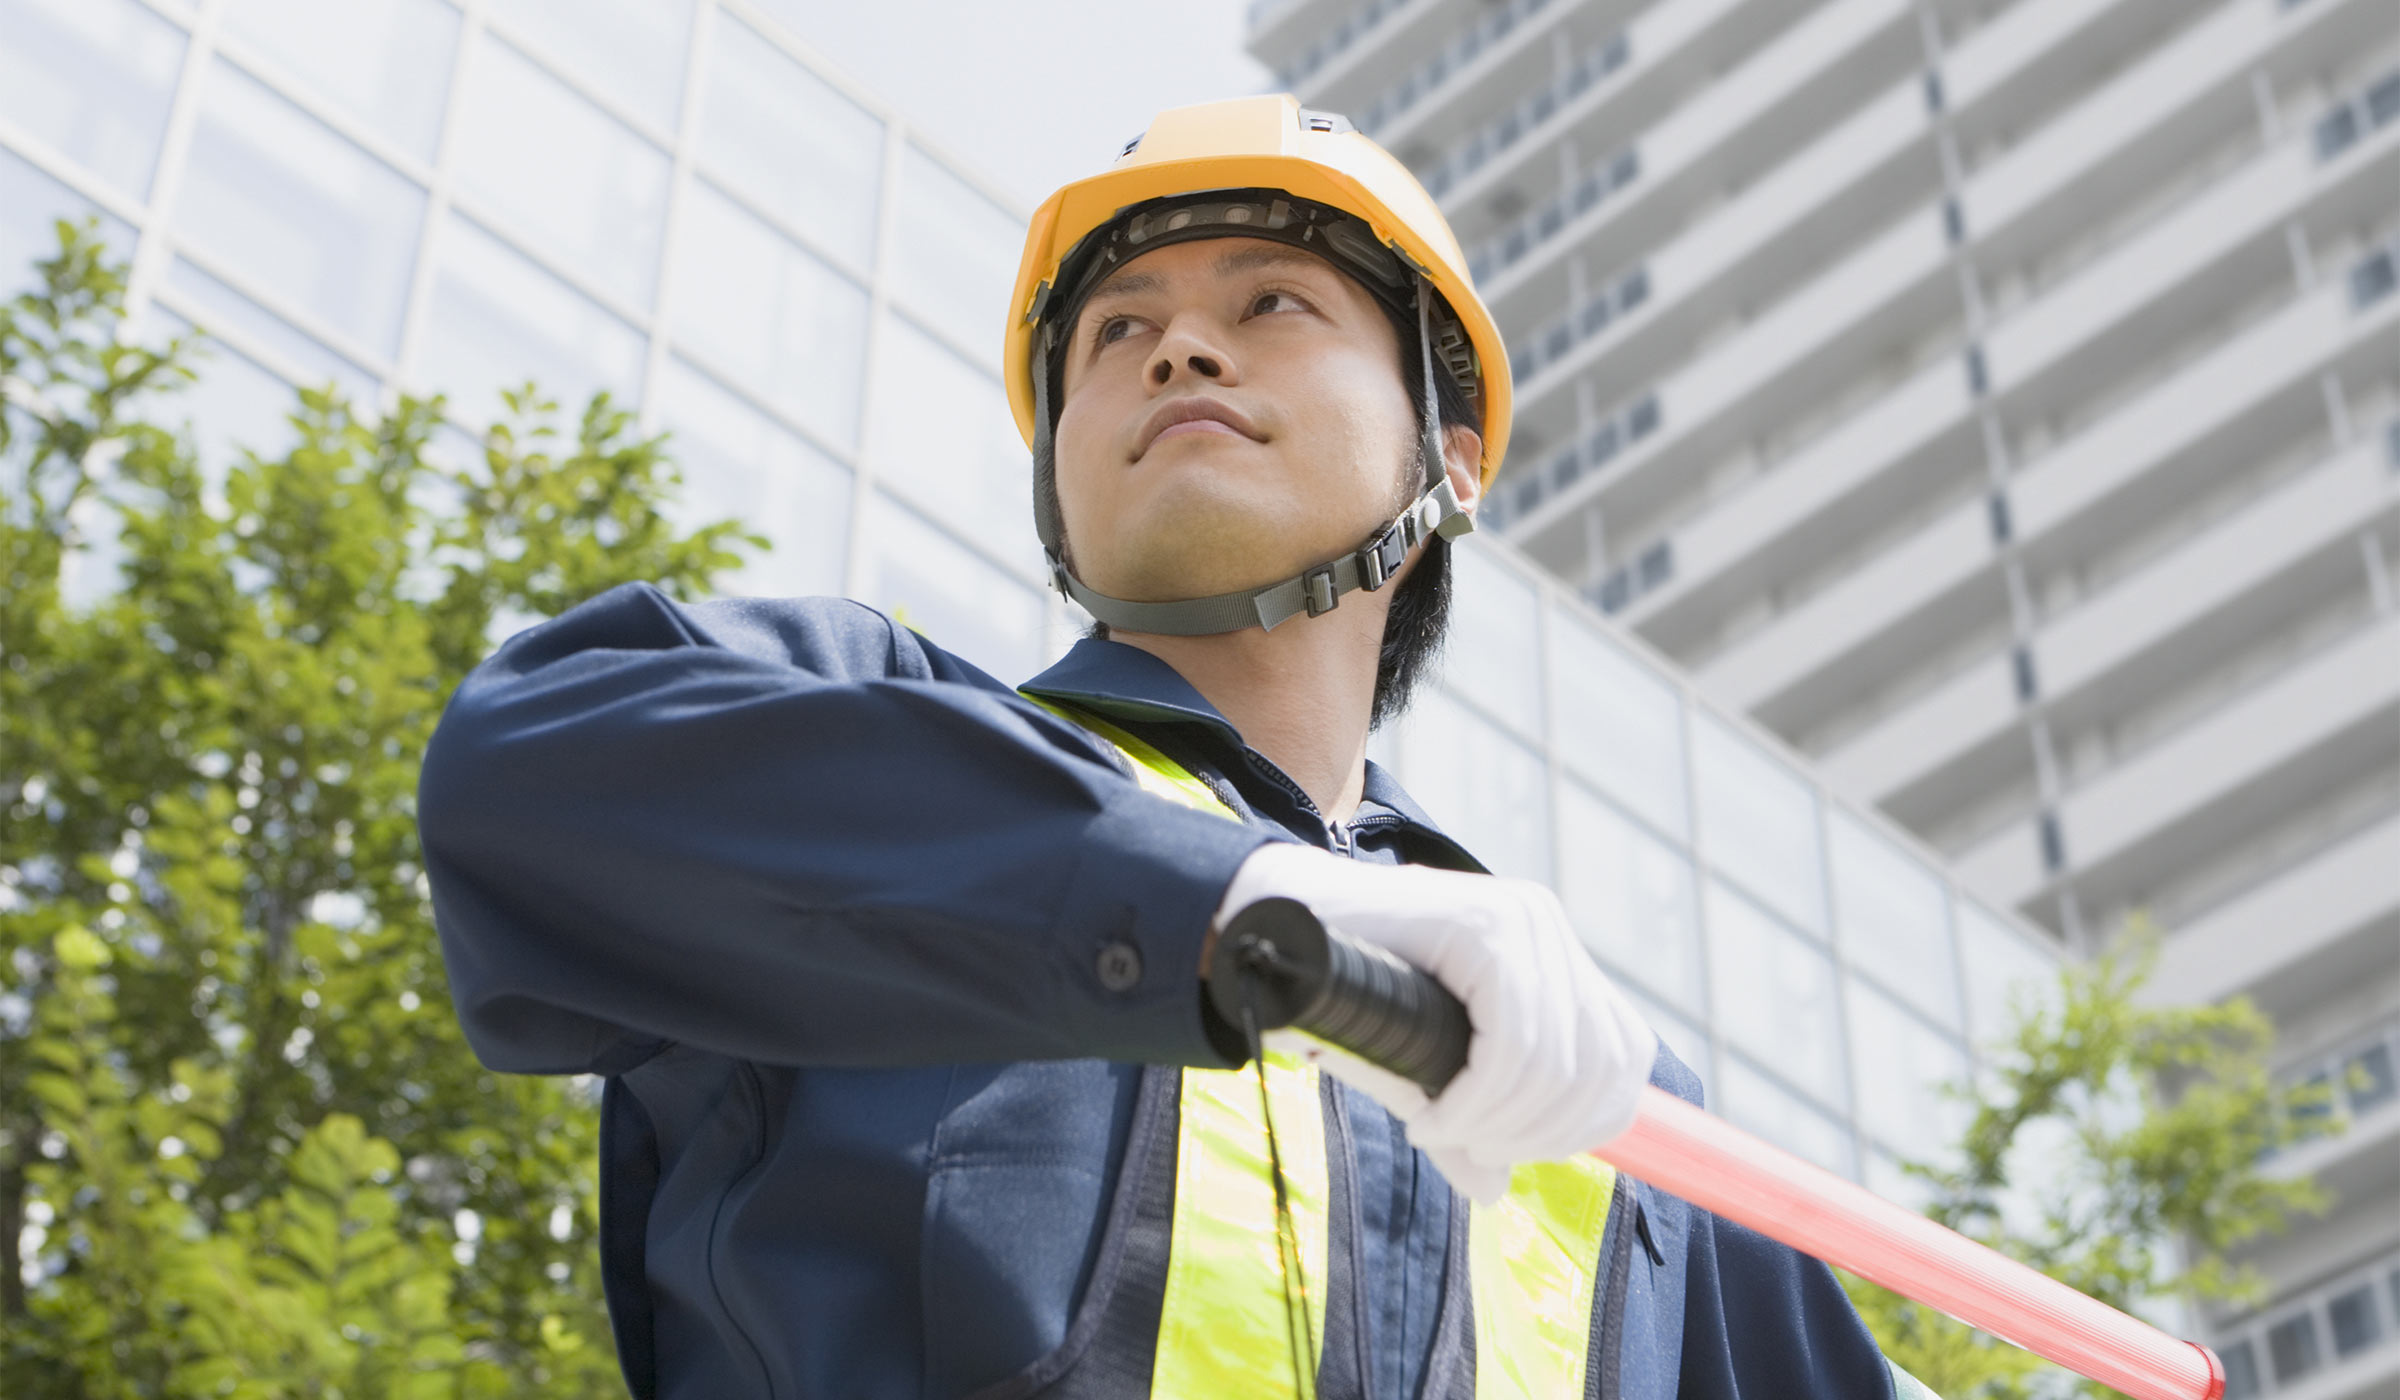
(1581, 321)
(1333, 42)
(1511, 245)
(1571, 461)
(2355, 1314)
(2362, 113)
(1420, 82)
(1512, 126)
(2356, 1079)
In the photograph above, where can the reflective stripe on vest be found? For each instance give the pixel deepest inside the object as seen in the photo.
(1224, 1327)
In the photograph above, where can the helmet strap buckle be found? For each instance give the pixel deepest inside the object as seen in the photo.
(1318, 593)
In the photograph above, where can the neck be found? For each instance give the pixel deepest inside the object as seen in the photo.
(1300, 695)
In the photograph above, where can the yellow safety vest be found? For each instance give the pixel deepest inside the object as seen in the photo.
(1226, 1322)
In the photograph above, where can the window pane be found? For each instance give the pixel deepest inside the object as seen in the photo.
(1757, 1103)
(766, 314)
(1486, 790)
(579, 186)
(788, 141)
(2006, 976)
(385, 62)
(630, 49)
(1899, 1064)
(964, 605)
(297, 211)
(2292, 1346)
(2367, 1078)
(497, 320)
(962, 463)
(234, 403)
(1758, 822)
(31, 204)
(739, 464)
(220, 310)
(2355, 1325)
(1773, 994)
(954, 255)
(93, 78)
(2241, 1371)
(1688, 1041)
(1494, 652)
(1630, 895)
(1894, 917)
(1619, 723)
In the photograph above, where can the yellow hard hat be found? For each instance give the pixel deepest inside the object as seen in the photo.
(1261, 144)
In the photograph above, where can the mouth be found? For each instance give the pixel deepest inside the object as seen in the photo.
(1191, 415)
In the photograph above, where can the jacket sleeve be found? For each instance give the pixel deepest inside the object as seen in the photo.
(793, 832)
(1762, 1321)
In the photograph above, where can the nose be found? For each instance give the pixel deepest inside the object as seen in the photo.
(1190, 343)
(1204, 366)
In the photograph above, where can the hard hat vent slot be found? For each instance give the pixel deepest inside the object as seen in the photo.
(1333, 122)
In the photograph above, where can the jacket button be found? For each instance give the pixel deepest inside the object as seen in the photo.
(1120, 967)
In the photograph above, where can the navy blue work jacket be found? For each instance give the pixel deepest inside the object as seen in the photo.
(871, 952)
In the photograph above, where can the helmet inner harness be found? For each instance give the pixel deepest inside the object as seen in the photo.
(1387, 273)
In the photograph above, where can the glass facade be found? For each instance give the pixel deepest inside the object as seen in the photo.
(669, 201)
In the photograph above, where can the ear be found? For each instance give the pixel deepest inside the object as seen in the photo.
(1462, 461)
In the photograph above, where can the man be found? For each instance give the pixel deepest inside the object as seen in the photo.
(895, 972)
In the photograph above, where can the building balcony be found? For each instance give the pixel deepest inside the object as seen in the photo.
(2298, 732)
(1344, 34)
(1812, 506)
(2198, 600)
(2136, 303)
(2163, 112)
(1670, 51)
(2337, 1341)
(1509, 35)
(2044, 186)
(1772, 237)
(2220, 413)
(2334, 915)
(2151, 289)
(1749, 123)
(1879, 158)
(2255, 392)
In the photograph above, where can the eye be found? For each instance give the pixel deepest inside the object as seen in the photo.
(1112, 330)
(1266, 303)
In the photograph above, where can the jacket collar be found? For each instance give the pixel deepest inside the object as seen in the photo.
(1129, 685)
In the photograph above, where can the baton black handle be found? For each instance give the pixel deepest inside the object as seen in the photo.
(1276, 962)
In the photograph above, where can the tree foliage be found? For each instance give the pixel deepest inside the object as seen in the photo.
(2116, 1147)
(239, 1128)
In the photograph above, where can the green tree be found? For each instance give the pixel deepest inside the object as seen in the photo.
(238, 1122)
(2144, 1128)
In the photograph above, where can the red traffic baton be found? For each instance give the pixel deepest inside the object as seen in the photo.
(1719, 1168)
(1276, 965)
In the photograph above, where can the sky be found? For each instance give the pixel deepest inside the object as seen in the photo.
(1030, 94)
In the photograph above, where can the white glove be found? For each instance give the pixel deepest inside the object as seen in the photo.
(1559, 1055)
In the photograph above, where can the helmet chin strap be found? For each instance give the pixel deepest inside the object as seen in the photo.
(1316, 591)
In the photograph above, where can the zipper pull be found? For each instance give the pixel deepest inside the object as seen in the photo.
(1344, 844)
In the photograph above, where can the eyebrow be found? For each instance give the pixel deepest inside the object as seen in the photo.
(1254, 255)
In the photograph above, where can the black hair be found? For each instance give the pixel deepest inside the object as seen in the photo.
(1419, 620)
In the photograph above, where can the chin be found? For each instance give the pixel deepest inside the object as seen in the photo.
(1202, 533)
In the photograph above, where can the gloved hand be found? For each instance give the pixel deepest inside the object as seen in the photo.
(1559, 1055)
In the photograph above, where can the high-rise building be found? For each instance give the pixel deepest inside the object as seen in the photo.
(676, 201)
(1998, 400)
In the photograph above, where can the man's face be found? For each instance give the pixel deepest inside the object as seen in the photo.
(1233, 413)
